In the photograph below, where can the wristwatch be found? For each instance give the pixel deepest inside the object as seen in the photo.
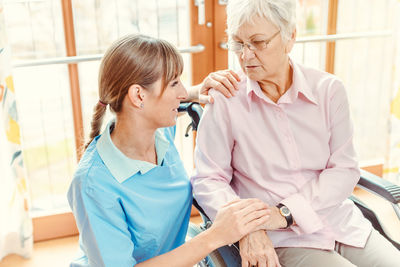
(285, 212)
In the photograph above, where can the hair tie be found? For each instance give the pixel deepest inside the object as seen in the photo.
(102, 103)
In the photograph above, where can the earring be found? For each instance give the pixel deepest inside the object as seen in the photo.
(141, 105)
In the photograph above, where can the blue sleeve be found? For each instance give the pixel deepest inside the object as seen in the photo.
(170, 132)
(102, 224)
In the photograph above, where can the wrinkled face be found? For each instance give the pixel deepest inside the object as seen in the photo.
(265, 63)
(162, 105)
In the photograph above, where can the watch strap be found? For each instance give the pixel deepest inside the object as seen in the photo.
(289, 218)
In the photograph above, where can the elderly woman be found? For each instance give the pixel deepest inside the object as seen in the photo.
(286, 139)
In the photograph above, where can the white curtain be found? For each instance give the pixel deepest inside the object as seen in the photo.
(15, 224)
(392, 168)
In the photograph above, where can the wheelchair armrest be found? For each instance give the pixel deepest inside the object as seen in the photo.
(379, 186)
(194, 110)
(201, 211)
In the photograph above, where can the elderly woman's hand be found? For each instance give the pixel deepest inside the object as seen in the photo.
(225, 81)
(276, 221)
(256, 249)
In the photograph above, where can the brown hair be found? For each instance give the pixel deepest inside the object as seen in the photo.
(133, 59)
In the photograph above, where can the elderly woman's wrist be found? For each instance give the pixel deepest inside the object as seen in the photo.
(282, 223)
(285, 215)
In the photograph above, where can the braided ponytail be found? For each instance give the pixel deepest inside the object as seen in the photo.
(99, 111)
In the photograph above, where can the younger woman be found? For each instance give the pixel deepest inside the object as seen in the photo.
(131, 196)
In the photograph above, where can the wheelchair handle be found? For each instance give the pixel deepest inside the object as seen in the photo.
(194, 110)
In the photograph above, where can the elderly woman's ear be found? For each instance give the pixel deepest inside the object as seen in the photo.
(290, 43)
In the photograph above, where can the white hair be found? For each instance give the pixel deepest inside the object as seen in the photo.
(281, 13)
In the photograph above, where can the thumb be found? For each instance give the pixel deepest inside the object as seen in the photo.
(206, 99)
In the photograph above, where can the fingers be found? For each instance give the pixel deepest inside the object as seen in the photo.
(232, 79)
(270, 261)
(261, 226)
(232, 202)
(227, 80)
(255, 225)
(218, 85)
(205, 99)
(253, 261)
(256, 249)
(256, 215)
(243, 203)
(234, 74)
(257, 206)
(278, 264)
(243, 247)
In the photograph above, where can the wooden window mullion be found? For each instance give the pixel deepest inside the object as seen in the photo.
(73, 75)
(331, 29)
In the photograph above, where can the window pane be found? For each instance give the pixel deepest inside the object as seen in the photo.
(312, 17)
(364, 65)
(364, 15)
(34, 28)
(312, 54)
(99, 22)
(44, 107)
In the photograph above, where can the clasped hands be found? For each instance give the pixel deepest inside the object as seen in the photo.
(256, 249)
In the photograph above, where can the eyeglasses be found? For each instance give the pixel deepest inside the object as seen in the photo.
(252, 45)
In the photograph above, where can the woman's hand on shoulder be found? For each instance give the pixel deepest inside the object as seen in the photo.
(224, 81)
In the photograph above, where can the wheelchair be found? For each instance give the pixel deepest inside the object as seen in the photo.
(229, 255)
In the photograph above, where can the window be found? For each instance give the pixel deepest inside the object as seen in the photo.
(43, 99)
(362, 51)
(365, 66)
(36, 34)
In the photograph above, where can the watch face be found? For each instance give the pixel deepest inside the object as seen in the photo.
(285, 211)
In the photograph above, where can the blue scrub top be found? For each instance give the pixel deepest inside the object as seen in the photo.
(128, 211)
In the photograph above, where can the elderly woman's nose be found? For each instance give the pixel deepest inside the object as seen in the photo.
(247, 53)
